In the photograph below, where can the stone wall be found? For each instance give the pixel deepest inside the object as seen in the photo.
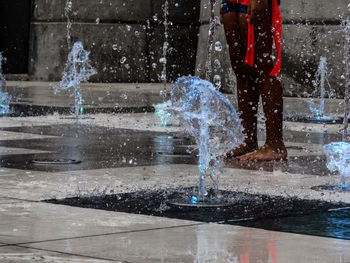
(111, 30)
(311, 30)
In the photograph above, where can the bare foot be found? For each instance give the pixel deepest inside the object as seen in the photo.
(242, 150)
(266, 153)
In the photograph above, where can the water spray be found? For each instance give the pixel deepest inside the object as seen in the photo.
(210, 118)
(4, 97)
(165, 50)
(212, 24)
(338, 160)
(67, 14)
(78, 69)
(346, 25)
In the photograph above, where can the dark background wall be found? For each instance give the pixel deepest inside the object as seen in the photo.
(110, 30)
(14, 34)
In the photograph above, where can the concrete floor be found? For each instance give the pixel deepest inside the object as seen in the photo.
(121, 153)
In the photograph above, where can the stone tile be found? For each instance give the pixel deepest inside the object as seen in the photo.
(130, 11)
(15, 151)
(5, 172)
(313, 128)
(221, 64)
(180, 11)
(4, 200)
(96, 95)
(207, 243)
(8, 135)
(181, 57)
(301, 106)
(303, 45)
(31, 221)
(14, 254)
(264, 178)
(205, 11)
(320, 11)
(50, 50)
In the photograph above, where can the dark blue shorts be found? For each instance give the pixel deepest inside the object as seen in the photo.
(239, 8)
(233, 7)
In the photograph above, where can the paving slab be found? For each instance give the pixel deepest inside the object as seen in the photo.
(9, 135)
(5, 172)
(207, 243)
(308, 172)
(138, 95)
(96, 95)
(15, 151)
(32, 222)
(143, 121)
(14, 254)
(4, 200)
(252, 178)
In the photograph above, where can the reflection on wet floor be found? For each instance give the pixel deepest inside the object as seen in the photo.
(312, 165)
(97, 147)
(100, 147)
(334, 223)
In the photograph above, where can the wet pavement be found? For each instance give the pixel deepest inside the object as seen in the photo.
(96, 148)
(105, 147)
(125, 153)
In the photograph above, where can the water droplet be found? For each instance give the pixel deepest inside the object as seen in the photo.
(122, 60)
(218, 46)
(217, 81)
(114, 46)
(217, 64)
(154, 65)
(98, 20)
(162, 60)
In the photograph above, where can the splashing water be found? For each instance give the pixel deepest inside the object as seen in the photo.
(321, 77)
(319, 83)
(212, 24)
(67, 14)
(163, 60)
(77, 70)
(346, 26)
(338, 157)
(5, 98)
(211, 119)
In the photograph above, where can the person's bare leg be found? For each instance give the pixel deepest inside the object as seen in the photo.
(272, 97)
(274, 148)
(236, 28)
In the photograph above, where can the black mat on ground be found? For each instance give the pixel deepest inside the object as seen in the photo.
(242, 206)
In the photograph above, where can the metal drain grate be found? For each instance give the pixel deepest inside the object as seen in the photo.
(175, 154)
(55, 161)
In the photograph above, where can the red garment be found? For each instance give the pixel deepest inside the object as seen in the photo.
(277, 34)
(242, 2)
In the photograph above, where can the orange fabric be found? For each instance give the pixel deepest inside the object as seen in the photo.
(277, 34)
